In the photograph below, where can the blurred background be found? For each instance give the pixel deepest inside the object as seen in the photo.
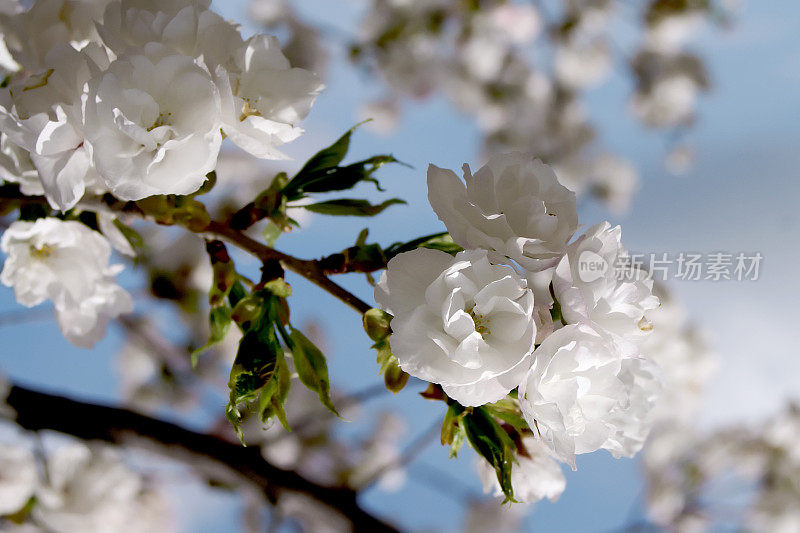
(685, 133)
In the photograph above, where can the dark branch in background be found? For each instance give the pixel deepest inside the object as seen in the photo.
(38, 411)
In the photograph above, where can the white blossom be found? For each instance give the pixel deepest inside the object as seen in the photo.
(17, 167)
(92, 490)
(185, 27)
(513, 206)
(19, 477)
(587, 390)
(264, 98)
(580, 66)
(669, 103)
(461, 322)
(668, 34)
(586, 284)
(383, 116)
(154, 125)
(43, 114)
(66, 262)
(32, 34)
(615, 181)
(491, 515)
(535, 476)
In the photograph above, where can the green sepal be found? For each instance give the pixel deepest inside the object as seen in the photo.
(377, 324)
(452, 429)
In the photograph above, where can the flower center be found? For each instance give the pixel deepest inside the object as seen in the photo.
(42, 251)
(162, 120)
(482, 323)
(249, 108)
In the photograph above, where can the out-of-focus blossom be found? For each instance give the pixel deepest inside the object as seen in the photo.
(19, 477)
(535, 477)
(66, 262)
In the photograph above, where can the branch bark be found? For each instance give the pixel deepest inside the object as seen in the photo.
(308, 268)
(38, 410)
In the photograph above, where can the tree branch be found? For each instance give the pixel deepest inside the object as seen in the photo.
(308, 268)
(37, 411)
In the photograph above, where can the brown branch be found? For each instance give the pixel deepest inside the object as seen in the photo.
(38, 411)
(308, 268)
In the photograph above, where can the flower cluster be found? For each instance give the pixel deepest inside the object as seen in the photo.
(134, 97)
(526, 308)
(84, 490)
(66, 262)
(522, 72)
(691, 476)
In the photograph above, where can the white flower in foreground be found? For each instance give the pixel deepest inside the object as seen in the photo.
(536, 475)
(66, 262)
(586, 285)
(154, 125)
(31, 35)
(514, 206)
(43, 114)
(263, 97)
(18, 478)
(460, 322)
(16, 167)
(187, 27)
(587, 390)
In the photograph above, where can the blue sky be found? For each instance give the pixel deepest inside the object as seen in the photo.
(740, 196)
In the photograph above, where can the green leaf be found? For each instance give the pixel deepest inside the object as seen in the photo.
(311, 367)
(437, 241)
(351, 207)
(343, 178)
(255, 366)
(131, 235)
(508, 411)
(237, 293)
(492, 443)
(328, 157)
(273, 395)
(361, 240)
(219, 320)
